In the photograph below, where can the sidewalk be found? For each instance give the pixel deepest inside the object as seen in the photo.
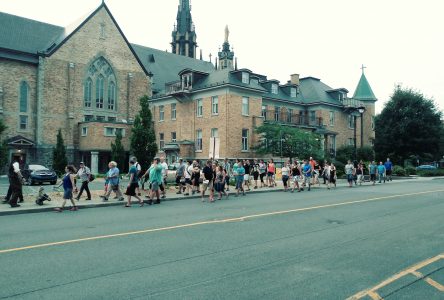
(29, 205)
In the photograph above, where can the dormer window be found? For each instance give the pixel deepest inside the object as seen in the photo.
(293, 92)
(245, 77)
(340, 96)
(274, 88)
(187, 81)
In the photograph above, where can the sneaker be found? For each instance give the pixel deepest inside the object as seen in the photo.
(121, 199)
(58, 209)
(88, 199)
(15, 205)
(163, 197)
(74, 208)
(104, 199)
(186, 194)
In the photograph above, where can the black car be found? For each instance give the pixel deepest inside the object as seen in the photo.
(39, 174)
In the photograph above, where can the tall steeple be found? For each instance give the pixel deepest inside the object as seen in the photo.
(184, 35)
(363, 91)
(226, 56)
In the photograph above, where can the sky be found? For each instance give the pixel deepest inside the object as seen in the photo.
(400, 42)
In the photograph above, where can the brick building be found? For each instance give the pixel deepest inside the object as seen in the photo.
(85, 79)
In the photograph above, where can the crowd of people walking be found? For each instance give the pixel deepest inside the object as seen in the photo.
(213, 177)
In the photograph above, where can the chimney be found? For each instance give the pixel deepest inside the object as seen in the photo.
(295, 79)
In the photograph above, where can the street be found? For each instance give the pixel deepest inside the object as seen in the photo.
(323, 244)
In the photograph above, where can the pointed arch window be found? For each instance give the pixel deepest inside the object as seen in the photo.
(24, 91)
(111, 95)
(100, 83)
(88, 93)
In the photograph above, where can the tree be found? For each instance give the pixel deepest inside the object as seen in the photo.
(59, 159)
(409, 125)
(143, 138)
(118, 151)
(344, 153)
(3, 146)
(287, 141)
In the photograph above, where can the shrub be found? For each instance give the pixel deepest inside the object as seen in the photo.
(410, 170)
(430, 173)
(399, 171)
(339, 168)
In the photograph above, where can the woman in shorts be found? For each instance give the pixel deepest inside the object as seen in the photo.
(133, 184)
(68, 187)
(296, 176)
(271, 170)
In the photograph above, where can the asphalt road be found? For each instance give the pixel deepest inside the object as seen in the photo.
(311, 245)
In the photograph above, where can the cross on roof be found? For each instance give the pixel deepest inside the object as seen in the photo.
(211, 56)
(362, 68)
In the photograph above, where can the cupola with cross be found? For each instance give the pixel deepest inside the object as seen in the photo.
(184, 34)
(226, 56)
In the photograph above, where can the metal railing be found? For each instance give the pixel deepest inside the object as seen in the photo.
(296, 119)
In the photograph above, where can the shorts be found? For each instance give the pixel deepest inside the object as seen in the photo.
(67, 193)
(307, 179)
(246, 177)
(270, 174)
(188, 181)
(219, 187)
(114, 187)
(155, 186)
(131, 190)
(207, 184)
(350, 177)
(255, 175)
(296, 178)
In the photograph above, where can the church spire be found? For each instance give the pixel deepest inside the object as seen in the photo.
(184, 35)
(364, 91)
(226, 56)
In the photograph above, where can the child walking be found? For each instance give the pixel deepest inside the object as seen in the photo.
(68, 186)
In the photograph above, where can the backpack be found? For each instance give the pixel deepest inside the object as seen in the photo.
(91, 177)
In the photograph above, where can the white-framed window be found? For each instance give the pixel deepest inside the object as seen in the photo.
(187, 81)
(23, 123)
(161, 141)
(173, 111)
(110, 131)
(199, 107)
(293, 92)
(214, 132)
(84, 131)
(277, 113)
(245, 77)
(351, 121)
(100, 118)
(264, 111)
(245, 133)
(274, 88)
(214, 105)
(199, 140)
(332, 118)
(289, 115)
(88, 118)
(112, 119)
(161, 113)
(351, 142)
(173, 137)
(312, 116)
(245, 106)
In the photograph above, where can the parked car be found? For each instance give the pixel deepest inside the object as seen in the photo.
(39, 174)
(426, 167)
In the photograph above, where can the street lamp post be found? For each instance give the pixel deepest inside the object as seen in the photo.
(361, 110)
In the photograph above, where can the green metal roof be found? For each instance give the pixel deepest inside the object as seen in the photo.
(364, 91)
(315, 91)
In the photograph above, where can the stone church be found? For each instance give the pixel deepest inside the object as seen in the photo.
(86, 80)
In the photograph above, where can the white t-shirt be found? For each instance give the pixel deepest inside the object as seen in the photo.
(285, 171)
(188, 172)
(164, 169)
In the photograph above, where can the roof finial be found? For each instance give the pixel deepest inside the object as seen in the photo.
(227, 33)
(211, 55)
(235, 63)
(362, 68)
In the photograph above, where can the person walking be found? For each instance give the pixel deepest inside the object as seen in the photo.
(228, 171)
(83, 174)
(139, 173)
(307, 170)
(350, 172)
(271, 171)
(187, 175)
(196, 177)
(68, 186)
(388, 169)
(163, 185)
(219, 182)
(262, 172)
(360, 173)
(113, 177)
(240, 179)
(208, 181)
(155, 173)
(255, 168)
(333, 176)
(373, 169)
(133, 185)
(381, 172)
(15, 185)
(326, 173)
(296, 176)
(180, 176)
(285, 176)
(247, 168)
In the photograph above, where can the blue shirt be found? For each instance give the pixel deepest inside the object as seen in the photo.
(133, 170)
(381, 169)
(67, 183)
(240, 171)
(388, 165)
(113, 172)
(373, 169)
(307, 170)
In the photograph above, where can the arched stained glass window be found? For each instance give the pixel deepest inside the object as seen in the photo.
(88, 93)
(111, 95)
(24, 90)
(100, 89)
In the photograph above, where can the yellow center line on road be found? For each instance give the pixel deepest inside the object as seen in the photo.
(236, 219)
(411, 270)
